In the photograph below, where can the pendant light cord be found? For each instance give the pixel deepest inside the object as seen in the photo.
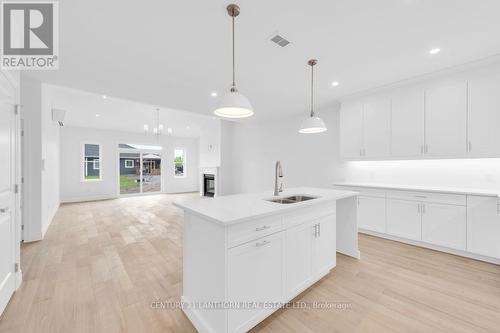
(312, 90)
(234, 79)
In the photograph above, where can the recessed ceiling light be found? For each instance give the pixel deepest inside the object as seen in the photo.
(213, 94)
(335, 83)
(435, 51)
(97, 115)
(187, 127)
(104, 96)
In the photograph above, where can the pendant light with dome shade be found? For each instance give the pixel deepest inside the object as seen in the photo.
(234, 104)
(312, 124)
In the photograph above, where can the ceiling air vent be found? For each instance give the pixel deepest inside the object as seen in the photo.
(280, 40)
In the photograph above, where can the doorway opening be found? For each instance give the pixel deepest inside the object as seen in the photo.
(140, 169)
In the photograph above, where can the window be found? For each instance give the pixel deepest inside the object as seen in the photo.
(180, 162)
(129, 164)
(91, 162)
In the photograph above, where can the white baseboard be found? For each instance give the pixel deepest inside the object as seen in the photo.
(89, 198)
(432, 247)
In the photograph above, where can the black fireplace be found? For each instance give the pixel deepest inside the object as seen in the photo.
(208, 185)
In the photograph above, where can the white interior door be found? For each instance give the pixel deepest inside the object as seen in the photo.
(7, 196)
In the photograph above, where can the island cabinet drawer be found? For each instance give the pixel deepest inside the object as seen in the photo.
(444, 198)
(247, 231)
(308, 214)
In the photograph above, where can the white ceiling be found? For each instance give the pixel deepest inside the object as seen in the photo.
(85, 109)
(175, 53)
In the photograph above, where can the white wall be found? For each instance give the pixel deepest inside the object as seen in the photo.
(72, 139)
(210, 143)
(50, 160)
(307, 160)
(40, 159)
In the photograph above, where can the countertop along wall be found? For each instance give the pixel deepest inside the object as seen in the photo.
(74, 189)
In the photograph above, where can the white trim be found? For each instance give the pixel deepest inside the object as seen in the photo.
(130, 166)
(99, 165)
(184, 164)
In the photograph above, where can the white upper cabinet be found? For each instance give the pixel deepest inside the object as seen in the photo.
(484, 114)
(407, 127)
(454, 117)
(351, 130)
(446, 119)
(377, 128)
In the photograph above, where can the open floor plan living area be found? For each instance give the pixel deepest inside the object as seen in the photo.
(217, 167)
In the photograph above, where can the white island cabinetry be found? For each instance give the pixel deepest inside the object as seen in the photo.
(244, 255)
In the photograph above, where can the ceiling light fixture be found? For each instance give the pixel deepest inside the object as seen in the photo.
(104, 96)
(234, 104)
(214, 94)
(335, 84)
(97, 115)
(435, 51)
(312, 124)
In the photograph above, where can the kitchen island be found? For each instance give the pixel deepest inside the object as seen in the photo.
(246, 255)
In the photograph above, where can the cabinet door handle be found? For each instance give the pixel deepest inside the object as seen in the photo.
(315, 230)
(470, 146)
(421, 196)
(319, 229)
(423, 208)
(418, 208)
(259, 244)
(264, 227)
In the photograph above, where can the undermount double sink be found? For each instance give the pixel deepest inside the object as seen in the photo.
(292, 199)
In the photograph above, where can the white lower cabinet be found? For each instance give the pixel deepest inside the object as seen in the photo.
(483, 226)
(404, 219)
(444, 225)
(254, 275)
(299, 252)
(310, 253)
(324, 251)
(371, 213)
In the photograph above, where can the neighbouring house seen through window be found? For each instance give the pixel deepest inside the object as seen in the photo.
(91, 161)
(180, 162)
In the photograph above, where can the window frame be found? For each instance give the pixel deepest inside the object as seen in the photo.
(184, 168)
(84, 161)
(131, 166)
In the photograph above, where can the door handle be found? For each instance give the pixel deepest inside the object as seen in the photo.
(315, 228)
(319, 229)
(264, 227)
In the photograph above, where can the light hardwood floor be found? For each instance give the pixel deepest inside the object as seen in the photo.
(103, 263)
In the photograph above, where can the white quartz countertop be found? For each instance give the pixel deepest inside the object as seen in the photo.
(241, 207)
(437, 189)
